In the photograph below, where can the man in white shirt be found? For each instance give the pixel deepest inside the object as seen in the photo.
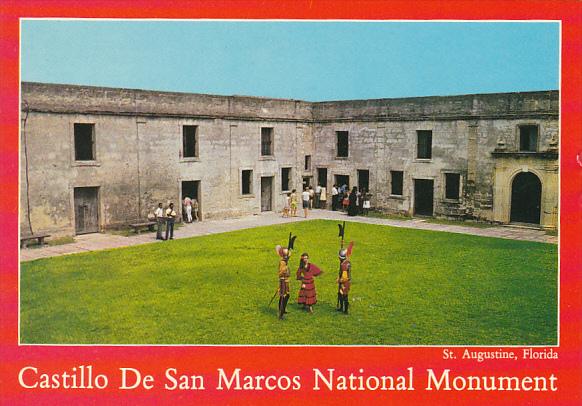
(159, 213)
(334, 194)
(170, 219)
(305, 197)
(317, 196)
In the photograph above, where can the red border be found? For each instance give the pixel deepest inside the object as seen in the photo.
(292, 361)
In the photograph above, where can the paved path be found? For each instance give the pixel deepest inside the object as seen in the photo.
(93, 242)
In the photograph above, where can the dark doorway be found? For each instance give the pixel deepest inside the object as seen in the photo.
(363, 179)
(191, 188)
(267, 193)
(423, 197)
(322, 177)
(341, 180)
(86, 210)
(526, 198)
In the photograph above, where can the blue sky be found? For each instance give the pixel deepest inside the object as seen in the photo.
(301, 60)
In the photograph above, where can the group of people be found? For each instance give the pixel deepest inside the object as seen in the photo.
(306, 272)
(190, 207)
(356, 202)
(310, 198)
(167, 217)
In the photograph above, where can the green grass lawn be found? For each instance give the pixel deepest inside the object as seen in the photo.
(409, 287)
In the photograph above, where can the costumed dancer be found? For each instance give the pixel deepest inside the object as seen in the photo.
(306, 272)
(345, 272)
(284, 274)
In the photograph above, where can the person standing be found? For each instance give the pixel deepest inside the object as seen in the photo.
(311, 197)
(293, 203)
(195, 208)
(284, 273)
(188, 208)
(317, 196)
(287, 207)
(170, 220)
(345, 201)
(353, 202)
(323, 198)
(306, 273)
(305, 197)
(159, 213)
(367, 196)
(344, 279)
(334, 197)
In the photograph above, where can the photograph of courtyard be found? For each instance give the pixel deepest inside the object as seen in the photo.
(446, 176)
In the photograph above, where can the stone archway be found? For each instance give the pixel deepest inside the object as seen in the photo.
(526, 198)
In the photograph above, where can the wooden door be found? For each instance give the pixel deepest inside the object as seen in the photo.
(86, 210)
(267, 193)
(526, 198)
(423, 197)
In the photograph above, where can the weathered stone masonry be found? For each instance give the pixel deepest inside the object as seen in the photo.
(139, 158)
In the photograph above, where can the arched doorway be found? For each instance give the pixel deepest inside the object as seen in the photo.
(526, 198)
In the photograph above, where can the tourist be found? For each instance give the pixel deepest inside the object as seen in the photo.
(195, 208)
(317, 196)
(334, 197)
(293, 198)
(323, 198)
(188, 208)
(366, 205)
(345, 201)
(287, 207)
(305, 197)
(311, 197)
(159, 213)
(353, 202)
(170, 220)
(305, 273)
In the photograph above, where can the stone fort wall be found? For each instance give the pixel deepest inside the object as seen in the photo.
(139, 159)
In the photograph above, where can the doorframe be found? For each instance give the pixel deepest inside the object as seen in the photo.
(413, 196)
(100, 208)
(510, 188)
(198, 191)
(273, 183)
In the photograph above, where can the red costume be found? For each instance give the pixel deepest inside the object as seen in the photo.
(307, 294)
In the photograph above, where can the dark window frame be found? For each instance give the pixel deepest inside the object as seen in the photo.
(246, 184)
(286, 179)
(267, 145)
(452, 186)
(307, 163)
(396, 183)
(83, 154)
(190, 149)
(528, 142)
(342, 144)
(424, 144)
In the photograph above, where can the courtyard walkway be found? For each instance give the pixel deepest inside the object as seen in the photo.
(93, 242)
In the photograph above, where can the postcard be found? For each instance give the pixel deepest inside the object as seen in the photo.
(236, 203)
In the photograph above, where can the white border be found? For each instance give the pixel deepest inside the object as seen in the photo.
(469, 346)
